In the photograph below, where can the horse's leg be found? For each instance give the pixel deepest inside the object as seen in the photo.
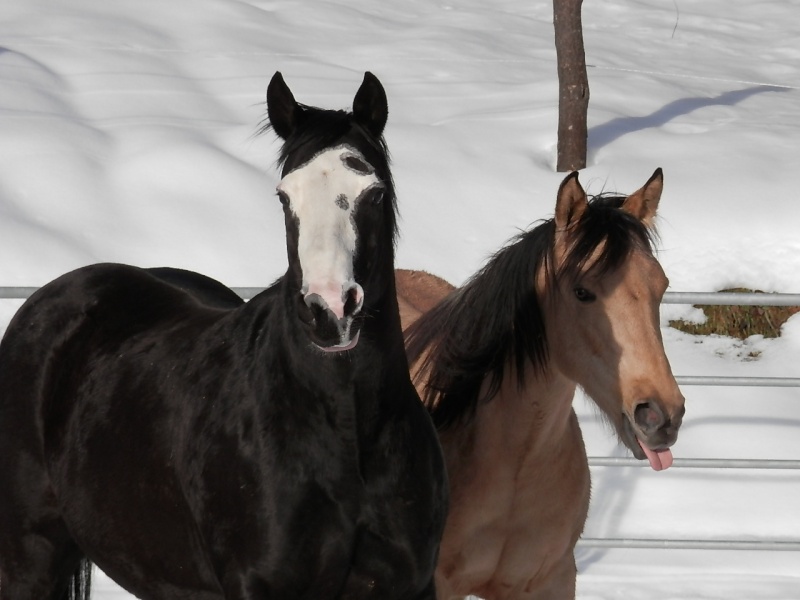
(561, 583)
(38, 558)
(37, 564)
(445, 591)
(429, 593)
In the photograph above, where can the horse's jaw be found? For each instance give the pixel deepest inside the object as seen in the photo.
(659, 459)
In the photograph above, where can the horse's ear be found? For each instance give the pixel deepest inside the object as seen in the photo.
(370, 107)
(643, 203)
(570, 202)
(282, 109)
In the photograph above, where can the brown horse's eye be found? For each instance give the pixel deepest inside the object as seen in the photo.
(584, 295)
(284, 199)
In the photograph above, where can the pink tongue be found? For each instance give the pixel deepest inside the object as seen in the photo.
(659, 459)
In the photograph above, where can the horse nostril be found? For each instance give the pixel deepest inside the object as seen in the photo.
(314, 301)
(648, 417)
(317, 308)
(353, 300)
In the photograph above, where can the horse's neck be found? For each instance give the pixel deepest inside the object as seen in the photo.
(522, 422)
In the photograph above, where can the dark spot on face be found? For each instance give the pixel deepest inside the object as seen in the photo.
(341, 202)
(356, 164)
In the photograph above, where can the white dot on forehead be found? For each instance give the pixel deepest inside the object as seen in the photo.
(342, 158)
(343, 155)
(336, 177)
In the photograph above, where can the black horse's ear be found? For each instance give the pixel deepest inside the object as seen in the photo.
(370, 107)
(282, 109)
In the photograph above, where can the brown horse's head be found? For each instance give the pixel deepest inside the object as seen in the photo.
(600, 290)
(578, 294)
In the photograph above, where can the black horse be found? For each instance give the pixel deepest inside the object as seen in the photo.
(196, 446)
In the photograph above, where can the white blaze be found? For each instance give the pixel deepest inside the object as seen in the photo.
(322, 196)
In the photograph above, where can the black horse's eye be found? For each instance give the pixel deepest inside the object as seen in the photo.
(375, 195)
(284, 199)
(584, 295)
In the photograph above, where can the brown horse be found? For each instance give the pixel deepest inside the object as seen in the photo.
(573, 301)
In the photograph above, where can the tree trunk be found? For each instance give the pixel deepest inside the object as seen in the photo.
(573, 85)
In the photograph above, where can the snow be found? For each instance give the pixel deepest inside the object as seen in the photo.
(128, 133)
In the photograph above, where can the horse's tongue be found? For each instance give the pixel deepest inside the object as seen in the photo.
(659, 459)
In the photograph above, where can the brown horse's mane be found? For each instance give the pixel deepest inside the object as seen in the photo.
(495, 320)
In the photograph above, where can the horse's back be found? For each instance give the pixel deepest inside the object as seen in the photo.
(95, 309)
(71, 422)
(417, 293)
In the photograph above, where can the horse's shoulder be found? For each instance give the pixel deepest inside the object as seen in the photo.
(418, 292)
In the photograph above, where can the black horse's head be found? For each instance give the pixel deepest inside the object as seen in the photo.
(339, 202)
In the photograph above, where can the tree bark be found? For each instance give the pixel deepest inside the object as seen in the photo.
(573, 85)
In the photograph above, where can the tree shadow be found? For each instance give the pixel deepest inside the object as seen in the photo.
(604, 134)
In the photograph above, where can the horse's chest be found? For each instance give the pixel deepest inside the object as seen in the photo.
(308, 498)
(512, 514)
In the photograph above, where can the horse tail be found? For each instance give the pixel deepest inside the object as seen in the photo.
(80, 583)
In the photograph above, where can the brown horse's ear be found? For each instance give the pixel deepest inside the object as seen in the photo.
(282, 109)
(570, 202)
(643, 203)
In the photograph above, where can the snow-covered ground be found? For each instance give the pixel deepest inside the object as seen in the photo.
(127, 133)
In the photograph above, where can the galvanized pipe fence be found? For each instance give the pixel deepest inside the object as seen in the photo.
(710, 298)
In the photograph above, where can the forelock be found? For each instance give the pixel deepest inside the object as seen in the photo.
(604, 235)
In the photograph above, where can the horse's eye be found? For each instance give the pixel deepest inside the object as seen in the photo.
(284, 199)
(376, 196)
(584, 295)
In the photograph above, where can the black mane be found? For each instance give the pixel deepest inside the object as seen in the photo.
(495, 320)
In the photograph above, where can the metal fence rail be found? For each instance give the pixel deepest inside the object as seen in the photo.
(738, 381)
(699, 463)
(654, 544)
(732, 298)
(22, 292)
(728, 299)
(719, 298)
(712, 298)
(16, 292)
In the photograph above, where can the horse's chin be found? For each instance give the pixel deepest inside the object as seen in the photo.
(659, 459)
(343, 346)
(331, 334)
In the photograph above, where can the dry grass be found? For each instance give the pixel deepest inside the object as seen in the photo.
(739, 321)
